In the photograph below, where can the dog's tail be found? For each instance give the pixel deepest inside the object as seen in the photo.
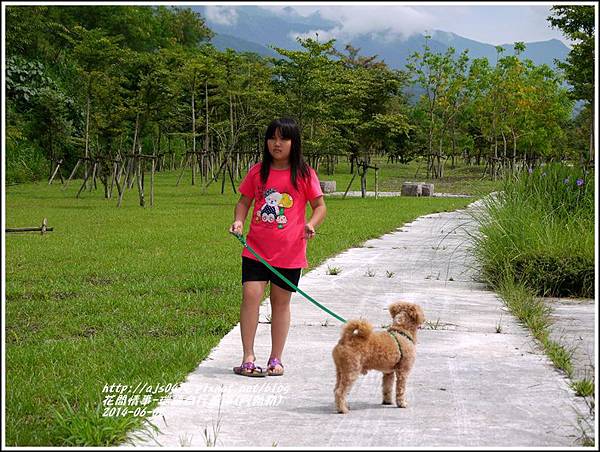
(356, 329)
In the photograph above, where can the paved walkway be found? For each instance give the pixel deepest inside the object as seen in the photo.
(385, 194)
(479, 380)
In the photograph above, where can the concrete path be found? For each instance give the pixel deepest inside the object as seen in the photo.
(479, 380)
(573, 320)
(386, 194)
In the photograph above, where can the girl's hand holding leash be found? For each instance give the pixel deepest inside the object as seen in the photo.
(309, 231)
(237, 228)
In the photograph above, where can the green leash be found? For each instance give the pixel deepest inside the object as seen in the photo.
(289, 283)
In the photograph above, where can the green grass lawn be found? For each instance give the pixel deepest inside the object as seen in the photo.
(134, 295)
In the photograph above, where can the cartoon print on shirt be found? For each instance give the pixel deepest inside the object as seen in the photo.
(274, 207)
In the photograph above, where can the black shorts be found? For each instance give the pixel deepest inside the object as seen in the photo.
(253, 270)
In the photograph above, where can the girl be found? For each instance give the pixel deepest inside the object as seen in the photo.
(281, 186)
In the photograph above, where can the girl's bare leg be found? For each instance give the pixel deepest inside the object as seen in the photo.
(280, 321)
(252, 294)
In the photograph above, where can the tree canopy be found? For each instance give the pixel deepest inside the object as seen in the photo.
(110, 80)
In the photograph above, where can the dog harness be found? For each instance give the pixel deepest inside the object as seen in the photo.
(403, 333)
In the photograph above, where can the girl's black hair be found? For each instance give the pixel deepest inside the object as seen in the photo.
(287, 129)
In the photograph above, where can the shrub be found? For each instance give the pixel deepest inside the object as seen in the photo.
(25, 162)
(540, 231)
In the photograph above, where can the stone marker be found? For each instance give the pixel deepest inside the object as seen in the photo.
(426, 189)
(417, 189)
(411, 189)
(328, 186)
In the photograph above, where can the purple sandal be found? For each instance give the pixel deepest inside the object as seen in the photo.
(271, 367)
(248, 369)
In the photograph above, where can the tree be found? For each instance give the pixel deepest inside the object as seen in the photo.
(97, 57)
(181, 26)
(577, 22)
(370, 109)
(302, 77)
(445, 83)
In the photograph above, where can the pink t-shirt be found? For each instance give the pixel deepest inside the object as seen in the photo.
(277, 222)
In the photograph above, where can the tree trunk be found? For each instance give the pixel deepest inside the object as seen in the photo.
(495, 165)
(514, 156)
(194, 130)
(87, 126)
(504, 151)
(206, 111)
(159, 163)
(135, 135)
(230, 123)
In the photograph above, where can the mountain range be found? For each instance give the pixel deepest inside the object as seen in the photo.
(258, 30)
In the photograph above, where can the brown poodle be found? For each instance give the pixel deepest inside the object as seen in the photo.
(392, 352)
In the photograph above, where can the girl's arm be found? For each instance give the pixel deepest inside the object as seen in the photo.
(240, 213)
(318, 215)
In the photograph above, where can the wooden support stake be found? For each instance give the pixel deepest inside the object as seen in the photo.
(182, 168)
(42, 229)
(224, 175)
(87, 176)
(216, 176)
(125, 182)
(348, 188)
(55, 171)
(140, 183)
(152, 184)
(112, 180)
(231, 178)
(72, 173)
(118, 187)
(94, 176)
(363, 180)
(194, 155)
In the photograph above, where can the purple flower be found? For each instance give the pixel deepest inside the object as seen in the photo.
(530, 170)
(579, 182)
(566, 181)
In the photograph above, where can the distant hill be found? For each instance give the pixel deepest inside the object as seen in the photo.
(224, 41)
(257, 28)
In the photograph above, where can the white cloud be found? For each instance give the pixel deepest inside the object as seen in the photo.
(304, 11)
(380, 22)
(222, 15)
(493, 24)
(393, 22)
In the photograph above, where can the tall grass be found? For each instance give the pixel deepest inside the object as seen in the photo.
(539, 231)
(24, 162)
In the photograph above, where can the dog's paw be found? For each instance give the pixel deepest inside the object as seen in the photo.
(401, 403)
(341, 406)
(386, 402)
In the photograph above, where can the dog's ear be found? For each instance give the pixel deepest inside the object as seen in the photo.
(395, 309)
(416, 313)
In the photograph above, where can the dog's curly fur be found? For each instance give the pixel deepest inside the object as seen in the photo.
(360, 350)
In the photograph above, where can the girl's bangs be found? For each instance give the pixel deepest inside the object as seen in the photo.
(285, 130)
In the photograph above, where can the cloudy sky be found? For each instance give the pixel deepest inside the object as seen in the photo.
(493, 24)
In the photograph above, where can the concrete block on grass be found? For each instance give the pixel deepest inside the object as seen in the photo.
(328, 186)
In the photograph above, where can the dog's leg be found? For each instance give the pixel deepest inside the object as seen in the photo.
(344, 385)
(401, 388)
(388, 388)
(338, 376)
